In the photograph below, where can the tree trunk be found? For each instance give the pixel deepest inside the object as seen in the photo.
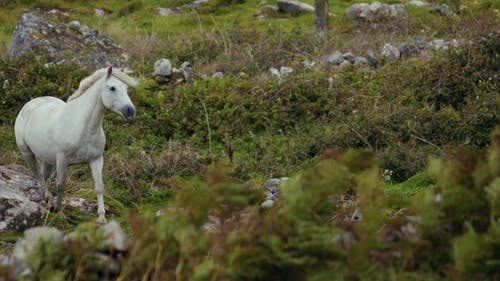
(321, 17)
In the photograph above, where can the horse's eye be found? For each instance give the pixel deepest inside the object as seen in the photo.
(112, 89)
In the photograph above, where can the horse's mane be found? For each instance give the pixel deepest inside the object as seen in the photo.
(87, 82)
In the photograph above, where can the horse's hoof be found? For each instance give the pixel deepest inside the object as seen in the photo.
(101, 220)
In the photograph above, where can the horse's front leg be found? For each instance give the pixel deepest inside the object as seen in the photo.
(61, 169)
(96, 167)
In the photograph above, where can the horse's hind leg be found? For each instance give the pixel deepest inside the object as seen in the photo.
(47, 170)
(30, 159)
(61, 169)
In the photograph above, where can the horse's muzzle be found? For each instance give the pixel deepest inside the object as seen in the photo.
(128, 112)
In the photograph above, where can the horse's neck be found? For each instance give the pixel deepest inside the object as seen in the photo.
(88, 109)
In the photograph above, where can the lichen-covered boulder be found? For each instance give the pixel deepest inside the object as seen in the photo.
(21, 196)
(293, 7)
(47, 34)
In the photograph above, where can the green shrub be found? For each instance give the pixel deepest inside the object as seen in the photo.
(29, 79)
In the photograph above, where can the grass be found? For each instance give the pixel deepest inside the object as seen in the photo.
(415, 184)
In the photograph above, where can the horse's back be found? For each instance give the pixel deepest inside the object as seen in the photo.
(32, 118)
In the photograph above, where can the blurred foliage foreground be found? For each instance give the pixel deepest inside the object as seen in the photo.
(449, 231)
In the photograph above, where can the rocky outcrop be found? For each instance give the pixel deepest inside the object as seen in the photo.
(41, 33)
(20, 199)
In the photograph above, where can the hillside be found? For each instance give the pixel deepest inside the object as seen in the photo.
(393, 159)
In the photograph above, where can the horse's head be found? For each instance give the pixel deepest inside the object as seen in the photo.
(114, 95)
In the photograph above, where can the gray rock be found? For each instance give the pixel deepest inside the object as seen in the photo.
(419, 42)
(358, 61)
(271, 187)
(163, 67)
(375, 11)
(74, 25)
(187, 71)
(160, 212)
(455, 43)
(335, 58)
(99, 13)
(83, 205)
(359, 11)
(439, 44)
(293, 7)
(41, 33)
(268, 203)
(218, 75)
(197, 4)
(345, 63)
(20, 199)
(396, 11)
(390, 52)
(417, 3)
(433, 7)
(274, 73)
(349, 57)
(25, 245)
(213, 224)
(372, 59)
(114, 237)
(89, 35)
(286, 71)
(309, 64)
(440, 8)
(376, 6)
(408, 50)
(167, 12)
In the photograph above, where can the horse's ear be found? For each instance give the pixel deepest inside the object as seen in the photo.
(110, 71)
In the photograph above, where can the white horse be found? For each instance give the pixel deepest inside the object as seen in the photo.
(61, 134)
